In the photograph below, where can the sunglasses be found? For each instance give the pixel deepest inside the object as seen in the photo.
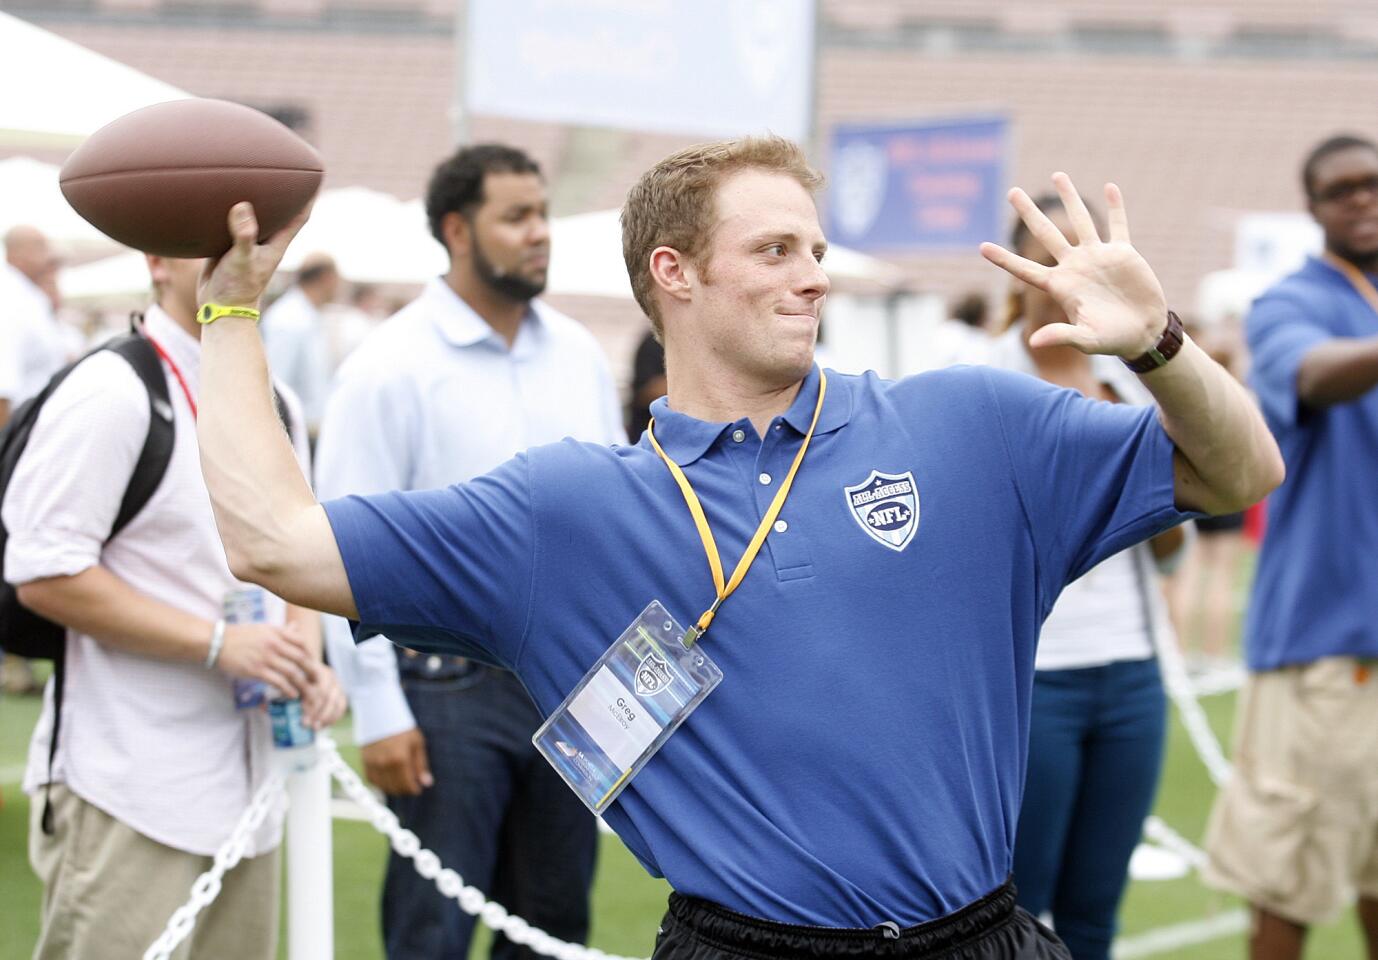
(1346, 190)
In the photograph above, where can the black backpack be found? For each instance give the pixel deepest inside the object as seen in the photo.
(23, 632)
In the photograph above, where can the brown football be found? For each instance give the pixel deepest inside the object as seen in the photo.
(162, 179)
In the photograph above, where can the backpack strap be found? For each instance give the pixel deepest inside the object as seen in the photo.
(157, 451)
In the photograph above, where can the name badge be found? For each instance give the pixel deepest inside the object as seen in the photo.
(626, 707)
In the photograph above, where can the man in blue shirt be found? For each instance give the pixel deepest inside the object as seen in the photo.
(1296, 829)
(853, 783)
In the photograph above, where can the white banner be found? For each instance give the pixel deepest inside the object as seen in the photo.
(710, 67)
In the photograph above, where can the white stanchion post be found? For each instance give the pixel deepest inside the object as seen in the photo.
(310, 891)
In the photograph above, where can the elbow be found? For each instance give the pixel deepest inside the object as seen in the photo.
(1265, 475)
(39, 596)
(249, 565)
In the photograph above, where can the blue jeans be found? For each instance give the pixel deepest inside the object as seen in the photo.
(498, 814)
(1095, 753)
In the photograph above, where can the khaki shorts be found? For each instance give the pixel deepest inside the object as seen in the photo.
(1295, 830)
(109, 891)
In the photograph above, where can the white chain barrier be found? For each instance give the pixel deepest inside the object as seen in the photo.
(1169, 839)
(1182, 692)
(207, 886)
(450, 884)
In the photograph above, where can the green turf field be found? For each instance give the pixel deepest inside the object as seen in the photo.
(627, 903)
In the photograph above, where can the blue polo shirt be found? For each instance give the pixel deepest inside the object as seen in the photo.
(1314, 593)
(863, 758)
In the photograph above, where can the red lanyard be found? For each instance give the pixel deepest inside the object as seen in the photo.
(181, 381)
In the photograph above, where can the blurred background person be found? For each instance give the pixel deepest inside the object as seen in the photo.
(1295, 829)
(296, 338)
(471, 372)
(30, 295)
(35, 348)
(1099, 714)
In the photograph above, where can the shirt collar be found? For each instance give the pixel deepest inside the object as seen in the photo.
(686, 439)
(461, 326)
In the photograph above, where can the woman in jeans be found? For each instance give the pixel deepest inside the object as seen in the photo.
(1099, 711)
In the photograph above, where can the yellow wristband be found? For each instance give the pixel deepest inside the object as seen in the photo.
(211, 312)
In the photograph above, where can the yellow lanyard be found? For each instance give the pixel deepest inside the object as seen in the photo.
(1361, 284)
(710, 546)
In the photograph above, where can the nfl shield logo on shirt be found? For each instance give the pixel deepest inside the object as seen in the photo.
(653, 675)
(887, 507)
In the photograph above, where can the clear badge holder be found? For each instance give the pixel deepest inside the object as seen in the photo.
(626, 707)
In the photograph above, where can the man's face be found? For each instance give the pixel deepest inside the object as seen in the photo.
(1344, 201)
(36, 261)
(760, 287)
(510, 235)
(176, 282)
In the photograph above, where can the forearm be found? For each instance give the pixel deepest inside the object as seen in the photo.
(1338, 371)
(98, 603)
(256, 486)
(1229, 458)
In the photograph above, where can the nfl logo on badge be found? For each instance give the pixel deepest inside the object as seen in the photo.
(653, 675)
(887, 507)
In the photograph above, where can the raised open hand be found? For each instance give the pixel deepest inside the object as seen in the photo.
(1109, 293)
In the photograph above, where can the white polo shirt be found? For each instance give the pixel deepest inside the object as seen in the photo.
(432, 397)
(157, 744)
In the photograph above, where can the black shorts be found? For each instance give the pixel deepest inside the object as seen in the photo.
(992, 928)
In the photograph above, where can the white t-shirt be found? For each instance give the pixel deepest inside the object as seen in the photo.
(155, 743)
(33, 337)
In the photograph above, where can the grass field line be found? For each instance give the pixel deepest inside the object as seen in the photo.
(1165, 940)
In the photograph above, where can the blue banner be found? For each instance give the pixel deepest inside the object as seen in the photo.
(935, 186)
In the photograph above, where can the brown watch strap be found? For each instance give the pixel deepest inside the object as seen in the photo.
(1164, 350)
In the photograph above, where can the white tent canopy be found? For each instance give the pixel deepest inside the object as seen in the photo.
(29, 194)
(57, 91)
(376, 238)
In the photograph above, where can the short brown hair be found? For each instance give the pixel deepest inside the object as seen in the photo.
(672, 205)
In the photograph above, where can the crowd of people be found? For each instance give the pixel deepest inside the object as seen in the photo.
(918, 743)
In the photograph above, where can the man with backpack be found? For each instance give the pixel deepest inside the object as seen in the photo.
(153, 763)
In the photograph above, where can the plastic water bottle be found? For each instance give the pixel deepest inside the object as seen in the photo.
(249, 605)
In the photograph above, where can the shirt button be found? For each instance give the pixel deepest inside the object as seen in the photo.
(781, 526)
(432, 663)
(738, 435)
(765, 479)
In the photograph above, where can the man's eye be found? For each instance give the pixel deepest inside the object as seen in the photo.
(778, 249)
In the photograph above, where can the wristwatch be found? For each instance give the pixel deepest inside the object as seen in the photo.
(1164, 350)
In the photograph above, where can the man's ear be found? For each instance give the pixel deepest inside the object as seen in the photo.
(456, 229)
(673, 273)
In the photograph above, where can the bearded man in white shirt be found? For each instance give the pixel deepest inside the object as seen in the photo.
(154, 764)
(473, 371)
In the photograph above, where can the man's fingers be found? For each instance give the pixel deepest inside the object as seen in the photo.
(421, 764)
(1062, 334)
(1043, 229)
(243, 228)
(1115, 213)
(1082, 222)
(1031, 273)
(279, 680)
